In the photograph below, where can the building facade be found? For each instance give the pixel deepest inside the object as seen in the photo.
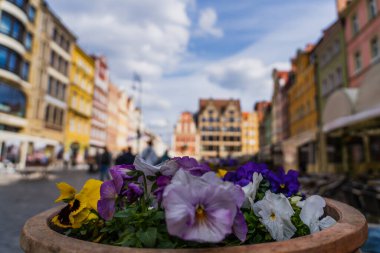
(98, 134)
(301, 146)
(219, 126)
(330, 55)
(185, 139)
(249, 133)
(122, 125)
(80, 93)
(19, 22)
(362, 35)
(112, 118)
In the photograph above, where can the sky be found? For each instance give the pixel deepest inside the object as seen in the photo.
(190, 49)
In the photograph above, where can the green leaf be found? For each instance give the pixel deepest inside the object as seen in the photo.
(148, 237)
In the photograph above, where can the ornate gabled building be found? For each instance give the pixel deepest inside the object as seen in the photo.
(219, 126)
(185, 139)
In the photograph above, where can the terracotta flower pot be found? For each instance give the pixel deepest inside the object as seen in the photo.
(345, 237)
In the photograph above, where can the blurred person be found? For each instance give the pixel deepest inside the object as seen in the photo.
(148, 154)
(126, 157)
(105, 164)
(164, 157)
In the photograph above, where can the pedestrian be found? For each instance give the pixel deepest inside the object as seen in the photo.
(164, 157)
(105, 163)
(126, 157)
(148, 154)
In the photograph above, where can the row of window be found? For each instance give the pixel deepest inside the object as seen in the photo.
(222, 119)
(99, 114)
(12, 100)
(25, 7)
(78, 126)
(330, 54)
(372, 12)
(81, 104)
(99, 96)
(12, 27)
(375, 54)
(13, 62)
(98, 134)
(332, 82)
(224, 129)
(60, 39)
(217, 138)
(57, 62)
(56, 89)
(83, 81)
(54, 117)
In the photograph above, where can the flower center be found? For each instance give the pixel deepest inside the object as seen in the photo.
(200, 212)
(273, 216)
(282, 186)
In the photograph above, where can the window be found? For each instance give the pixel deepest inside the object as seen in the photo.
(339, 76)
(25, 71)
(52, 58)
(358, 61)
(28, 41)
(9, 60)
(374, 48)
(12, 26)
(31, 13)
(337, 46)
(355, 24)
(19, 3)
(54, 117)
(12, 100)
(372, 9)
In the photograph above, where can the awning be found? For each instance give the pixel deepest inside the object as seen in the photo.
(349, 106)
(12, 136)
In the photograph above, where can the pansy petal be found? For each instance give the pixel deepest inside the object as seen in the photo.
(117, 179)
(213, 230)
(107, 190)
(240, 227)
(312, 209)
(106, 208)
(91, 192)
(327, 222)
(66, 190)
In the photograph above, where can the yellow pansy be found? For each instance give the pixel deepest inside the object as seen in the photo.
(221, 173)
(67, 192)
(90, 193)
(78, 210)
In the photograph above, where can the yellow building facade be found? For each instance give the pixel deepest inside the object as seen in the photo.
(303, 113)
(78, 123)
(249, 133)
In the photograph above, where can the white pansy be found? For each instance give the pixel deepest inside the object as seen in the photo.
(312, 211)
(250, 189)
(275, 212)
(168, 168)
(295, 199)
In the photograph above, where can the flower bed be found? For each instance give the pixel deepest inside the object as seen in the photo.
(182, 204)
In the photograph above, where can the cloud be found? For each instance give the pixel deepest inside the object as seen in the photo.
(207, 23)
(130, 33)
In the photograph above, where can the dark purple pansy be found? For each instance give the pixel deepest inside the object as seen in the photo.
(191, 165)
(162, 182)
(133, 192)
(243, 175)
(286, 183)
(111, 189)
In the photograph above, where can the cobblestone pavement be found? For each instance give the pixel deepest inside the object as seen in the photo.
(24, 197)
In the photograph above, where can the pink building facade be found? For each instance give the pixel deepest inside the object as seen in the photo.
(362, 35)
(185, 136)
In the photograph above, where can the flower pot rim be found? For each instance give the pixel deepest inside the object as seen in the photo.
(347, 235)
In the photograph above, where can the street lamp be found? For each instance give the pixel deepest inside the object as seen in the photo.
(137, 85)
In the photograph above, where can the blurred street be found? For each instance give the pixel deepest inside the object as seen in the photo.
(24, 197)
